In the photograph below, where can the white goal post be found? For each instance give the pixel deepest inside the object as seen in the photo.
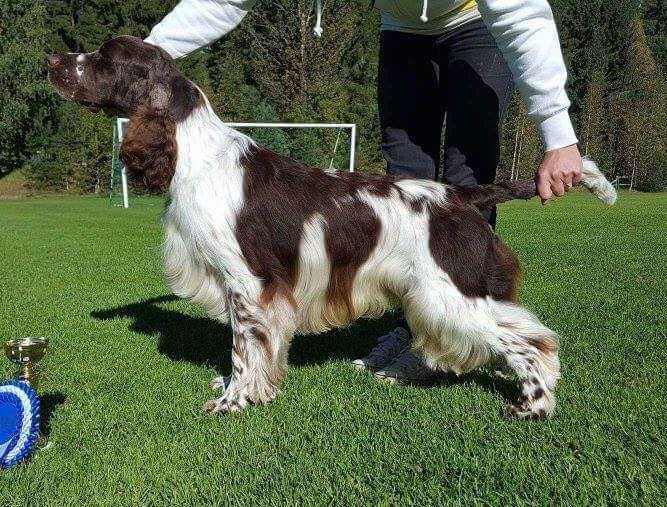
(118, 169)
(351, 126)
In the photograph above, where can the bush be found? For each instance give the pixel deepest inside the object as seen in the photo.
(78, 156)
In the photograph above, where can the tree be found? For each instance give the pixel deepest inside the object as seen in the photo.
(273, 68)
(26, 100)
(656, 30)
(592, 121)
(641, 108)
(304, 78)
(521, 152)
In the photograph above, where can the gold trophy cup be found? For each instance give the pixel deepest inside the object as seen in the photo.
(26, 353)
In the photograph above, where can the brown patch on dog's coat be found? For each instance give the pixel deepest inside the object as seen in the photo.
(486, 196)
(464, 246)
(544, 346)
(270, 225)
(347, 257)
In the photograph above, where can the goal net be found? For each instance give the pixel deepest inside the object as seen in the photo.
(335, 142)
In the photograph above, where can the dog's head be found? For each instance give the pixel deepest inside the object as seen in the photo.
(124, 75)
(129, 77)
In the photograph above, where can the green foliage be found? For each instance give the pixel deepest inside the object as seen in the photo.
(78, 158)
(274, 58)
(656, 29)
(522, 149)
(617, 87)
(273, 138)
(640, 108)
(272, 68)
(26, 100)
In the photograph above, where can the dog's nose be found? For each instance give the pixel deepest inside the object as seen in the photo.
(53, 60)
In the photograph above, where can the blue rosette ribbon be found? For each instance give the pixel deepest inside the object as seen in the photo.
(19, 421)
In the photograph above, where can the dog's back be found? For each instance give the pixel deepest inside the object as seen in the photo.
(368, 219)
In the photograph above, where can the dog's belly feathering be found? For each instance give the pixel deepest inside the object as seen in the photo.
(332, 291)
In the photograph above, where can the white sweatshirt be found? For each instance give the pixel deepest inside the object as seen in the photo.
(524, 31)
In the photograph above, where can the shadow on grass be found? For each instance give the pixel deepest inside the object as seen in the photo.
(181, 337)
(508, 390)
(49, 402)
(206, 342)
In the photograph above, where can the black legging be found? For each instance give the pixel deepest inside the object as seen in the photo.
(423, 77)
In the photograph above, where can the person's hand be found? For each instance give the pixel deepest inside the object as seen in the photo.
(559, 172)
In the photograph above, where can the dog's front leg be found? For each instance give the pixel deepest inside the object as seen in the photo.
(259, 357)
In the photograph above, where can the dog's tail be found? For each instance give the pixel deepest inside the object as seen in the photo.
(486, 196)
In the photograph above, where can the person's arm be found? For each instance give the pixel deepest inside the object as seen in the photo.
(527, 36)
(197, 23)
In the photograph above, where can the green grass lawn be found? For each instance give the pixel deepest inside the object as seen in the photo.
(129, 367)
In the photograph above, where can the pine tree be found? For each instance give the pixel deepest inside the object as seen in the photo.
(656, 30)
(641, 108)
(592, 120)
(26, 99)
(522, 149)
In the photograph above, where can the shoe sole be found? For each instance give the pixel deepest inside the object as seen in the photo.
(364, 367)
(407, 381)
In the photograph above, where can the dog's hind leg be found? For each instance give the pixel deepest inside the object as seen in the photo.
(461, 333)
(530, 349)
(259, 353)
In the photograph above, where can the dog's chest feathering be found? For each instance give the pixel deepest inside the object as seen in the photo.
(206, 194)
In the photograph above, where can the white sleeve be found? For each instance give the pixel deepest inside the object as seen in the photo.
(197, 23)
(527, 36)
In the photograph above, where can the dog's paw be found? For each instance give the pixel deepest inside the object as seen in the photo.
(220, 382)
(531, 408)
(520, 411)
(225, 404)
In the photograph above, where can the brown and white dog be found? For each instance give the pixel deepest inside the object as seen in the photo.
(274, 247)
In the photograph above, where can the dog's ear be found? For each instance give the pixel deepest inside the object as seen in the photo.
(175, 96)
(149, 148)
(184, 97)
